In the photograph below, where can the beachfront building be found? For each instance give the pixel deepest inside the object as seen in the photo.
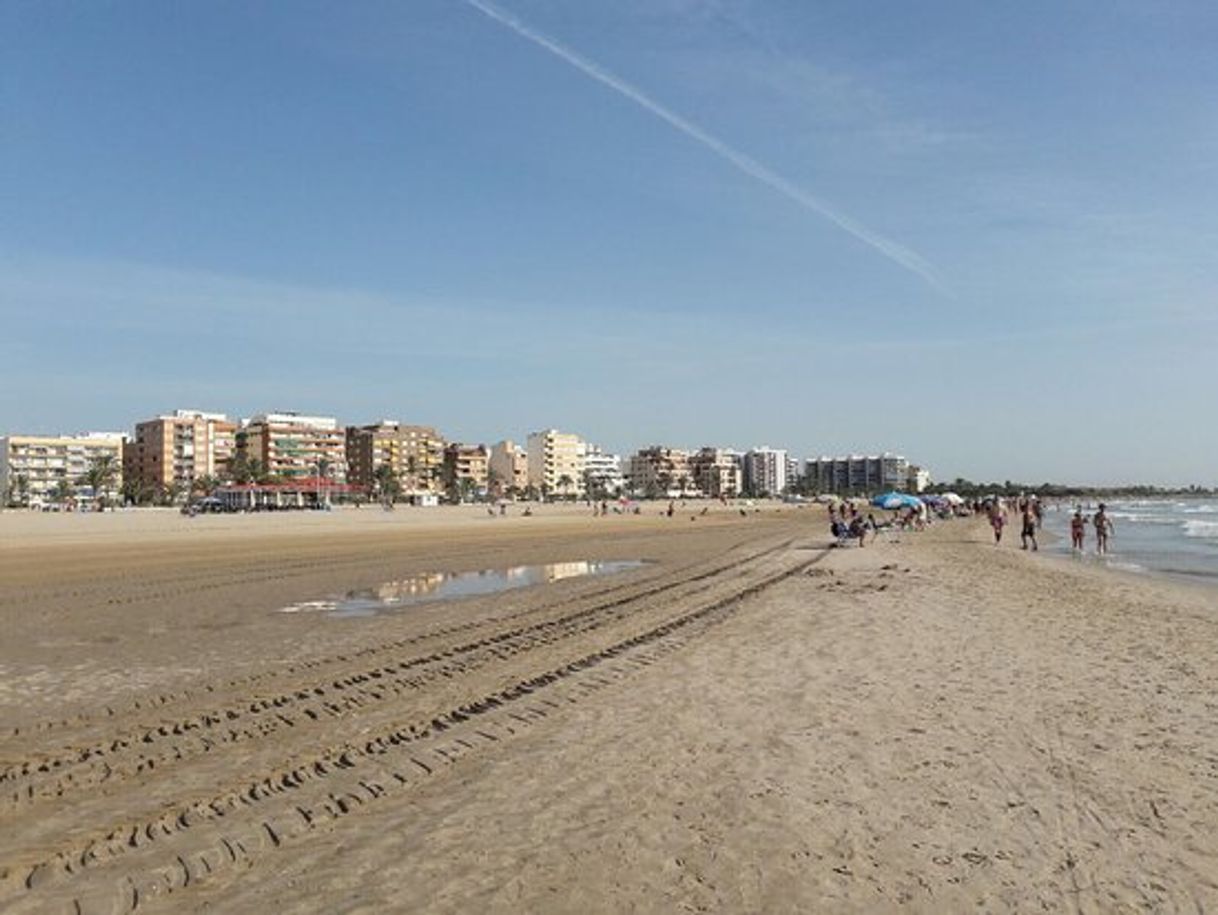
(43, 470)
(465, 471)
(168, 453)
(716, 472)
(858, 474)
(556, 463)
(919, 478)
(765, 471)
(508, 469)
(659, 472)
(416, 454)
(602, 474)
(293, 446)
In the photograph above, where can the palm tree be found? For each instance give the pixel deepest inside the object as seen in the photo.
(19, 490)
(565, 483)
(204, 484)
(100, 477)
(171, 492)
(386, 483)
(63, 491)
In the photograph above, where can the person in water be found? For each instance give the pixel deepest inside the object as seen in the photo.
(1103, 529)
(1078, 525)
(1029, 526)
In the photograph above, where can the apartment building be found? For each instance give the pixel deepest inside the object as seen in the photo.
(556, 463)
(179, 449)
(465, 470)
(416, 454)
(602, 473)
(661, 472)
(38, 470)
(765, 471)
(294, 445)
(857, 473)
(508, 468)
(716, 472)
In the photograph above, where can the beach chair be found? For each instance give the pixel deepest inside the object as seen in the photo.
(841, 534)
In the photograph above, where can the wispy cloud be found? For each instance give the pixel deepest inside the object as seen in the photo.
(894, 251)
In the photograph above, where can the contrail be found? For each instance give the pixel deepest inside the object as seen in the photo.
(892, 250)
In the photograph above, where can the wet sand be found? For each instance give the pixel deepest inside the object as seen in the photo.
(751, 722)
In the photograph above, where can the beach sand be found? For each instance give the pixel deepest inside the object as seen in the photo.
(749, 722)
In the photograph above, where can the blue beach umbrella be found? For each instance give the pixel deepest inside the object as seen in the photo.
(895, 500)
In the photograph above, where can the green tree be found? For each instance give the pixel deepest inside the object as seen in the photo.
(386, 484)
(170, 493)
(19, 491)
(63, 492)
(467, 488)
(100, 476)
(564, 485)
(204, 485)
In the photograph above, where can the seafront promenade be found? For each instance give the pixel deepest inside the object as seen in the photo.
(749, 721)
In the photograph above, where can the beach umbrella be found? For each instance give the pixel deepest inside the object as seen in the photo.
(952, 499)
(896, 500)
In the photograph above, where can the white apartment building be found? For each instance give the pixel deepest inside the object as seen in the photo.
(765, 471)
(919, 478)
(602, 473)
(37, 470)
(556, 463)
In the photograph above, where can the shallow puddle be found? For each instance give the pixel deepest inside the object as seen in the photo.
(437, 586)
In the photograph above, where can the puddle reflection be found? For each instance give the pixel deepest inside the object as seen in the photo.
(437, 586)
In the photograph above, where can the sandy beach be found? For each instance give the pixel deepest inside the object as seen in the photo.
(748, 722)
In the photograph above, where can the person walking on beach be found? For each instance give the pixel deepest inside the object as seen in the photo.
(1078, 524)
(1103, 528)
(998, 520)
(1029, 527)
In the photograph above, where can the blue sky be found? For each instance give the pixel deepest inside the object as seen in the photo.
(983, 235)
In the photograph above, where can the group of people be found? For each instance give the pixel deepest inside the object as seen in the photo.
(848, 523)
(1031, 514)
(1100, 522)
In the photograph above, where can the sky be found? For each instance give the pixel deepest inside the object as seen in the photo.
(980, 235)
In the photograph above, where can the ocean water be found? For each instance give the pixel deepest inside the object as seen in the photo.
(1169, 536)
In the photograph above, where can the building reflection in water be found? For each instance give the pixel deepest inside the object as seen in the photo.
(435, 586)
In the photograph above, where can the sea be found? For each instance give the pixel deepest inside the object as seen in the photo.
(1176, 537)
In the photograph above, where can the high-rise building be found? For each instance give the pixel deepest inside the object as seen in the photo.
(179, 449)
(857, 473)
(295, 446)
(416, 454)
(508, 469)
(765, 471)
(659, 472)
(716, 472)
(465, 470)
(38, 470)
(556, 463)
(602, 473)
